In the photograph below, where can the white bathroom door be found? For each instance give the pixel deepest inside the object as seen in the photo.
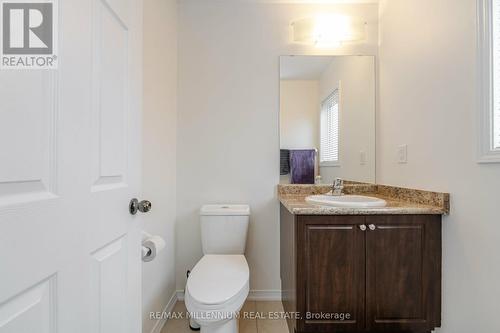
(69, 164)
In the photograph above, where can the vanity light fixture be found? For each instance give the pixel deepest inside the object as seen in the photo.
(328, 30)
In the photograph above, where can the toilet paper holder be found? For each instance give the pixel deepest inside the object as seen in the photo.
(146, 252)
(151, 246)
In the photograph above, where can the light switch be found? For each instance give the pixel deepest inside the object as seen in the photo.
(362, 157)
(403, 154)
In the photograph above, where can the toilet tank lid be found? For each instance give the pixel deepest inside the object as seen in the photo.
(223, 210)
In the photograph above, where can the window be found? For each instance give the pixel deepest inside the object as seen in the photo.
(489, 85)
(496, 74)
(329, 123)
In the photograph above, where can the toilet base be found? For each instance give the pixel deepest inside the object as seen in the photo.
(193, 325)
(230, 326)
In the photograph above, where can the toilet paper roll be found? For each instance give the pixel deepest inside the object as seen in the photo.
(151, 247)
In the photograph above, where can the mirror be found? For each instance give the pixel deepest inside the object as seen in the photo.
(327, 119)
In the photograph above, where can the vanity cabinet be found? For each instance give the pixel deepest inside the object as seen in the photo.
(352, 273)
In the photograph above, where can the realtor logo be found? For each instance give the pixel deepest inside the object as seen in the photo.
(28, 34)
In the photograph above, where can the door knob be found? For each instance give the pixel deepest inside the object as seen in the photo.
(362, 227)
(135, 205)
(372, 227)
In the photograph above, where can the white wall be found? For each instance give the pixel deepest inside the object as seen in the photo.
(356, 78)
(299, 114)
(228, 136)
(159, 149)
(427, 100)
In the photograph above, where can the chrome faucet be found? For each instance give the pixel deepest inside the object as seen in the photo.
(338, 186)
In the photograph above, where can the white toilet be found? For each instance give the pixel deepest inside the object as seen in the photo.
(219, 283)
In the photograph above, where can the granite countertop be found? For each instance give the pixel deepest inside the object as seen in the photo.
(399, 200)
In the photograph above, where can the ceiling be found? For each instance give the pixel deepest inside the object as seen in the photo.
(296, 1)
(303, 67)
(314, 1)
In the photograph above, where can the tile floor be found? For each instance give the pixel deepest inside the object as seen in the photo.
(257, 319)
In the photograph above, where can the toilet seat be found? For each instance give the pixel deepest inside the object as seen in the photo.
(218, 280)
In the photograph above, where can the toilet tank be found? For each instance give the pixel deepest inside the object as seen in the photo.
(224, 228)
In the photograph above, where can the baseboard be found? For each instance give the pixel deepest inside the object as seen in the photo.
(264, 295)
(254, 295)
(168, 308)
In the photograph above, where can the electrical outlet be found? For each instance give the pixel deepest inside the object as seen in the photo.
(402, 154)
(362, 157)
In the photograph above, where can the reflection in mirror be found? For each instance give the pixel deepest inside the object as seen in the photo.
(327, 119)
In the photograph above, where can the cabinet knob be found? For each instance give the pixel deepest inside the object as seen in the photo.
(372, 227)
(362, 227)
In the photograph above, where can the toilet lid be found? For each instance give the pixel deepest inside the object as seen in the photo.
(217, 278)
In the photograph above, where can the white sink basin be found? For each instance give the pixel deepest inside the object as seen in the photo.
(347, 201)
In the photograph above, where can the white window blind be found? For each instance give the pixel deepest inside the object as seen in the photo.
(488, 36)
(329, 143)
(496, 73)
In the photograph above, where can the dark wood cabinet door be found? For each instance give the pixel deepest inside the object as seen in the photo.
(331, 274)
(403, 273)
(288, 267)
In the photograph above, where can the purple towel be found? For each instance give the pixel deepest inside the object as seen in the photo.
(302, 166)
